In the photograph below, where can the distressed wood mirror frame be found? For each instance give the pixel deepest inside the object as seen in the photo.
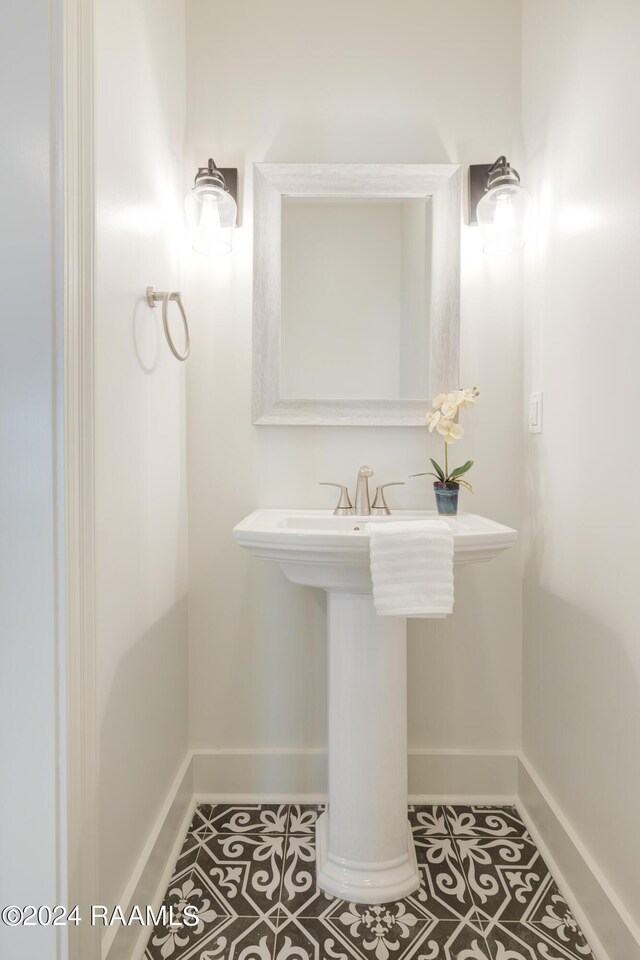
(273, 181)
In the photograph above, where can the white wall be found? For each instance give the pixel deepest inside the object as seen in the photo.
(32, 735)
(141, 525)
(581, 98)
(291, 81)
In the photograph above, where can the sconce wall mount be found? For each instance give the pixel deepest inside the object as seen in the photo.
(225, 177)
(499, 204)
(211, 208)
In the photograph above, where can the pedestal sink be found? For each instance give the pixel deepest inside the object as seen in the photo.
(364, 846)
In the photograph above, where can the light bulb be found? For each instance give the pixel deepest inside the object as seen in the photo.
(209, 216)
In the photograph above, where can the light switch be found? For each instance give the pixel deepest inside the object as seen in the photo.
(535, 413)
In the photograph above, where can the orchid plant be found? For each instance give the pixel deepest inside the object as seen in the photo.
(444, 419)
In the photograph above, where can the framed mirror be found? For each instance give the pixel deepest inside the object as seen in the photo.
(356, 295)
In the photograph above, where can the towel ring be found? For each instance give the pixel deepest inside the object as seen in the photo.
(152, 298)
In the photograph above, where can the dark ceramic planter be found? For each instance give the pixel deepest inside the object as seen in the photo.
(446, 498)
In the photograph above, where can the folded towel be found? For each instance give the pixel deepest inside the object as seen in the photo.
(411, 567)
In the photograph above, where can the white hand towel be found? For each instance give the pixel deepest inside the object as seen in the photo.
(411, 567)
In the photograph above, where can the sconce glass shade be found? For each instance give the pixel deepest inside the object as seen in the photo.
(211, 213)
(503, 211)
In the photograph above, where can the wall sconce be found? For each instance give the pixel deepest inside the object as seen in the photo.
(211, 209)
(500, 205)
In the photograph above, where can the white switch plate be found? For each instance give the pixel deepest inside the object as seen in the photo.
(535, 412)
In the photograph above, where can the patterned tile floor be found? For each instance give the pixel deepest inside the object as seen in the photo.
(486, 893)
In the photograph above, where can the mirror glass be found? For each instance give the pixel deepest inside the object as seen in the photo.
(355, 297)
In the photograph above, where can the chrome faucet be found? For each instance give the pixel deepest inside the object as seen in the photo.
(363, 507)
(363, 504)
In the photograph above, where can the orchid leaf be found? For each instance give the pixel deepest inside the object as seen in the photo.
(429, 474)
(438, 469)
(460, 470)
(465, 484)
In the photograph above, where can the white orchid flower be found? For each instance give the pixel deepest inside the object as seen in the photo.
(449, 430)
(439, 400)
(432, 420)
(449, 408)
(467, 397)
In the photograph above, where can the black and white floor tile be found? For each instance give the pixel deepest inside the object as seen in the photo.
(486, 893)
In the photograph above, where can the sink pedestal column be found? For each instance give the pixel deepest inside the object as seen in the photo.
(364, 846)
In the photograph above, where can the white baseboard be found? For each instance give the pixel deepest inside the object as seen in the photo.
(610, 930)
(154, 868)
(462, 776)
(266, 774)
(435, 776)
(302, 774)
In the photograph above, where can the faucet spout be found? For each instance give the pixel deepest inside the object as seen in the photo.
(363, 504)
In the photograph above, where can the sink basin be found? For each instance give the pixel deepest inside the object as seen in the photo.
(364, 845)
(317, 549)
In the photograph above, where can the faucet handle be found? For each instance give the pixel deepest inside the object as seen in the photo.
(379, 506)
(345, 507)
